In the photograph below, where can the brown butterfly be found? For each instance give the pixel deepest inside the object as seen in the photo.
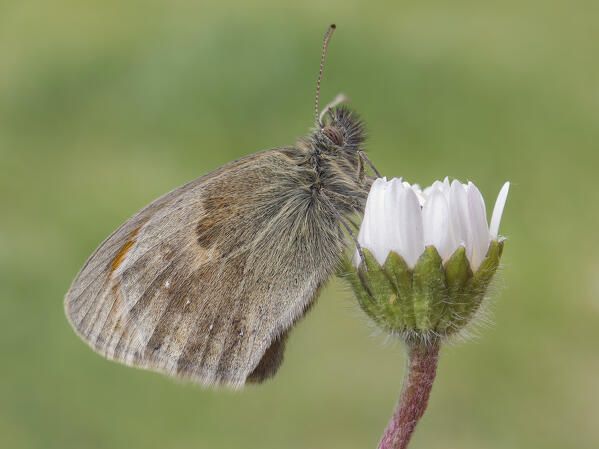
(206, 282)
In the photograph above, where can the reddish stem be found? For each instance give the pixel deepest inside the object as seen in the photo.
(418, 381)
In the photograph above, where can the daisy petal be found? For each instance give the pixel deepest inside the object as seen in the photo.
(410, 227)
(377, 225)
(367, 234)
(498, 211)
(394, 215)
(479, 227)
(435, 220)
(459, 223)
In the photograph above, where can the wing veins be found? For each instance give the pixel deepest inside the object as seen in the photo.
(152, 283)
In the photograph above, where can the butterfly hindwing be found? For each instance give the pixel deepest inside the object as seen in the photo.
(205, 282)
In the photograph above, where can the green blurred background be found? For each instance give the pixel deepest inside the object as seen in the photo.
(106, 105)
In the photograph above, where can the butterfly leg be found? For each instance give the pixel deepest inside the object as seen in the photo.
(363, 156)
(353, 223)
(343, 199)
(361, 173)
(330, 205)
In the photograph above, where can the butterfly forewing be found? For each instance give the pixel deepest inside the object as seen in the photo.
(205, 282)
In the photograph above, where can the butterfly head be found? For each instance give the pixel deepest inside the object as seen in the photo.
(344, 131)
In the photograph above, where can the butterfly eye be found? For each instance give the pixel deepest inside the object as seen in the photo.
(333, 134)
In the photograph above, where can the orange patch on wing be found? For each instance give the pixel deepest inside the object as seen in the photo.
(120, 256)
(134, 232)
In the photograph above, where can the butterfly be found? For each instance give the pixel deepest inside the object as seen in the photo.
(206, 282)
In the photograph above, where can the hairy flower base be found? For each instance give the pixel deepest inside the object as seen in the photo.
(433, 300)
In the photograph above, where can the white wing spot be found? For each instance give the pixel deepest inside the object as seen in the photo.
(241, 334)
(188, 302)
(167, 284)
(211, 327)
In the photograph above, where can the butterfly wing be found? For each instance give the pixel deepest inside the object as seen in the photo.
(205, 282)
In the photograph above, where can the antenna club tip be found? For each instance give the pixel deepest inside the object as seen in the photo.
(333, 26)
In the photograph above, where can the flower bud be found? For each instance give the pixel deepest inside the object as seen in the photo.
(429, 256)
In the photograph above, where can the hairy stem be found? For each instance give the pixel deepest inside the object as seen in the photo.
(418, 381)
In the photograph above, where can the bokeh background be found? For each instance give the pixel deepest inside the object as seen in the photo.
(106, 105)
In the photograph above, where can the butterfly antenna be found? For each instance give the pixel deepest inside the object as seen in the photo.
(327, 38)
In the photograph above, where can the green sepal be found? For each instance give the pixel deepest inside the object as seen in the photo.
(476, 287)
(488, 267)
(381, 291)
(367, 303)
(431, 300)
(429, 289)
(457, 271)
(457, 274)
(400, 275)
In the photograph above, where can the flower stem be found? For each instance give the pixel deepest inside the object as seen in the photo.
(418, 382)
